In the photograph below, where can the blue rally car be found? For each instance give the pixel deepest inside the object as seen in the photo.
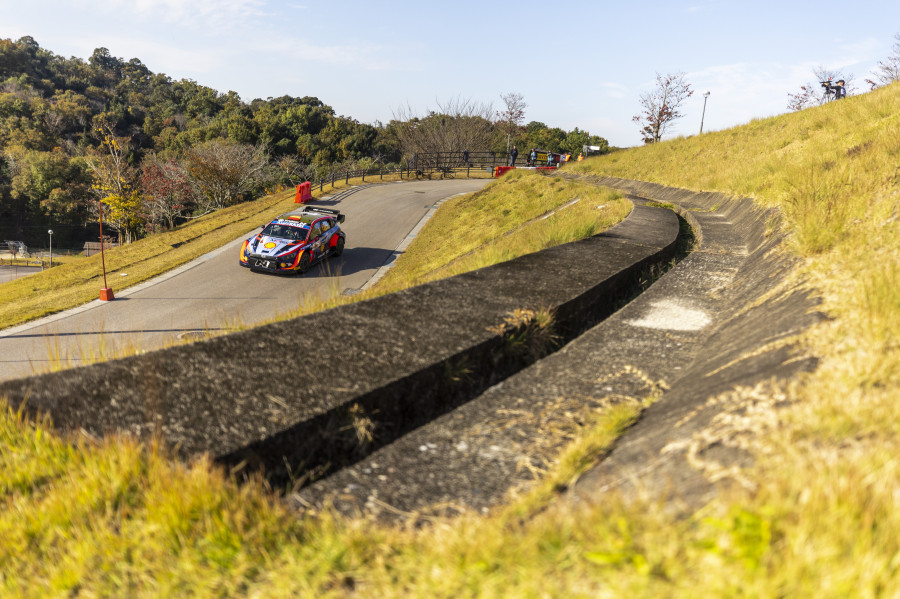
(295, 241)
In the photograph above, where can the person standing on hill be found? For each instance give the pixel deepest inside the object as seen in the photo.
(512, 156)
(839, 91)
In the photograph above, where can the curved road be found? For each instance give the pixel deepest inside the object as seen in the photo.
(214, 292)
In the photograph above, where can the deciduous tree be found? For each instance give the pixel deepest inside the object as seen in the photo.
(455, 126)
(169, 192)
(114, 183)
(510, 119)
(888, 70)
(224, 171)
(661, 107)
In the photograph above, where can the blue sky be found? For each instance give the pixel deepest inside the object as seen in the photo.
(576, 63)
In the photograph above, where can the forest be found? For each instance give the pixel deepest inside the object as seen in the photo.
(157, 152)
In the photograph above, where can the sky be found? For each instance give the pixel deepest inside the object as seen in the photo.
(576, 63)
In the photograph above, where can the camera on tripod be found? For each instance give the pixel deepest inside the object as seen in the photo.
(835, 89)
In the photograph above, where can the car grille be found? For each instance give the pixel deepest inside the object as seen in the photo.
(262, 262)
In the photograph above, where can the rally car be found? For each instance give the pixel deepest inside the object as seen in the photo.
(295, 241)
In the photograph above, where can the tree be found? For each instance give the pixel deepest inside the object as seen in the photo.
(813, 94)
(225, 171)
(888, 70)
(168, 190)
(576, 140)
(114, 183)
(50, 182)
(509, 120)
(660, 108)
(292, 170)
(456, 126)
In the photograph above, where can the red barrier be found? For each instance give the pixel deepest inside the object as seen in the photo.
(304, 193)
(502, 170)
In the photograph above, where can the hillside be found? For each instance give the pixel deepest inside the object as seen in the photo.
(817, 517)
(160, 150)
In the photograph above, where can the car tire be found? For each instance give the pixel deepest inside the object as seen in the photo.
(305, 263)
(338, 247)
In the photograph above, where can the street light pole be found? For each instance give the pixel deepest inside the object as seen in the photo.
(705, 96)
(50, 232)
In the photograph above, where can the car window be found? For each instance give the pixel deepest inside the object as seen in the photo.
(284, 231)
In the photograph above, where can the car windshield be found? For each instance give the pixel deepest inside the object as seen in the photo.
(285, 231)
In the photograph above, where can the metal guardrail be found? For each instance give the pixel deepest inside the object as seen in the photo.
(447, 164)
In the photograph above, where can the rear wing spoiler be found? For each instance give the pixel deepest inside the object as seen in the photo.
(329, 211)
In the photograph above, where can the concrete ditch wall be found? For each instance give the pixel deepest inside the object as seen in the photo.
(717, 325)
(302, 397)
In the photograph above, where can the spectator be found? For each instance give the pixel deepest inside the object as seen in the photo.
(512, 156)
(839, 91)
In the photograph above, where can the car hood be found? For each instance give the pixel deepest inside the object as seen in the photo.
(272, 246)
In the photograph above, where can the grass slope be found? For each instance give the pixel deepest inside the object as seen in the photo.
(818, 516)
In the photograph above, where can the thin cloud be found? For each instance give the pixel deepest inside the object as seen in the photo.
(615, 90)
(367, 57)
(216, 14)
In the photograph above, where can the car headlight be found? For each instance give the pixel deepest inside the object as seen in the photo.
(288, 259)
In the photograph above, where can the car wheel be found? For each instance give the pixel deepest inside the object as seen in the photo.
(305, 263)
(339, 247)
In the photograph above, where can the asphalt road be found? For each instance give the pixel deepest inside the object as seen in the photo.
(11, 273)
(214, 292)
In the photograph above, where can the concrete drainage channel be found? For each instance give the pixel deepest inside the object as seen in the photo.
(701, 340)
(301, 398)
(437, 396)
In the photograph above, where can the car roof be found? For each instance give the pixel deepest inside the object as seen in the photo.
(304, 217)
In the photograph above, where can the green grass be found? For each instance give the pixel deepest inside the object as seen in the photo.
(817, 515)
(523, 212)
